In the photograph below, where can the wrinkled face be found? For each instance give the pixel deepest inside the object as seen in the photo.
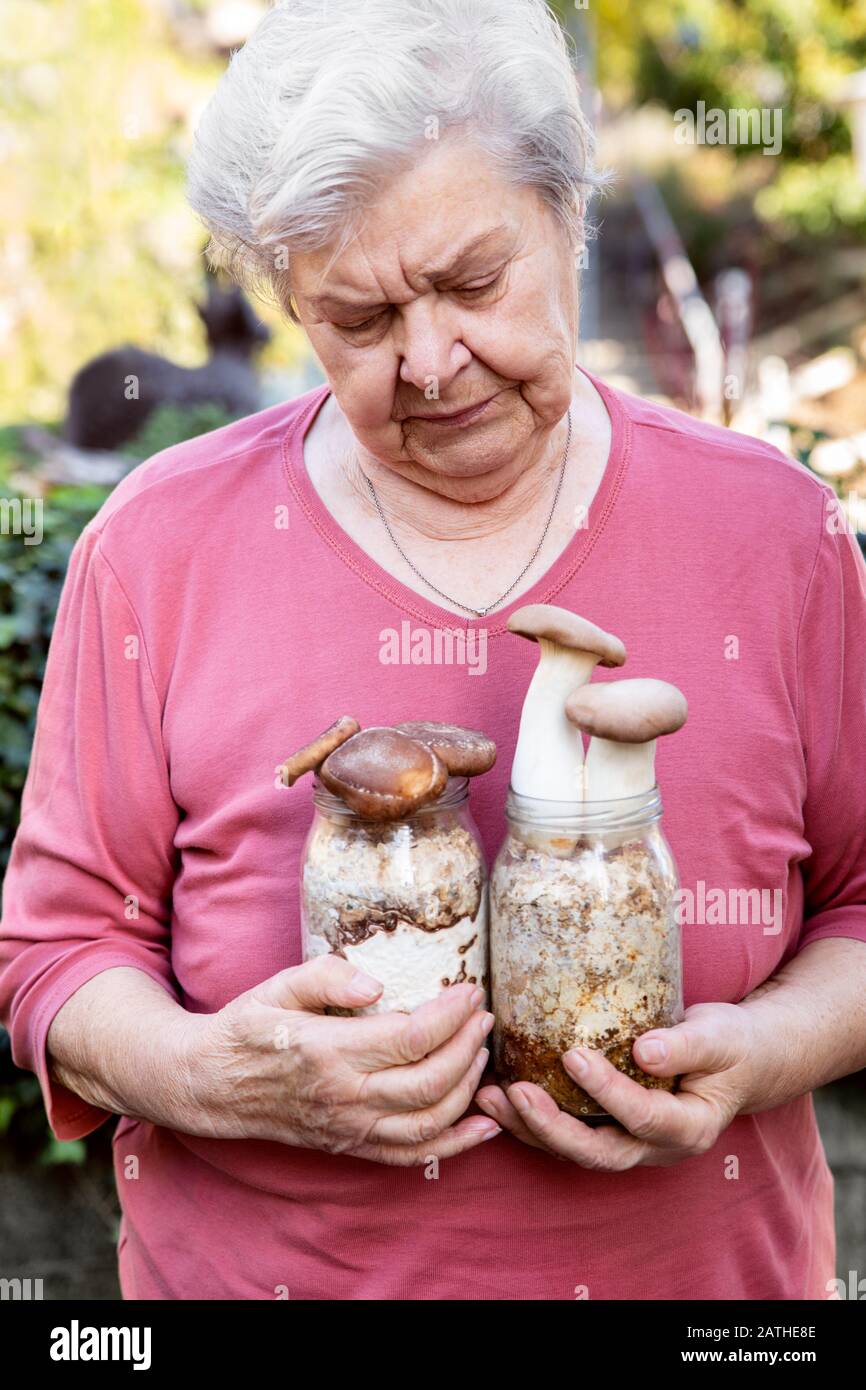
(458, 295)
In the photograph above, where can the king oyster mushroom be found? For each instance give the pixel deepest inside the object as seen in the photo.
(548, 760)
(624, 719)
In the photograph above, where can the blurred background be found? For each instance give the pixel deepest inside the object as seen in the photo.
(728, 278)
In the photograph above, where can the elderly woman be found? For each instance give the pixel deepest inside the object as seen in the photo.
(411, 178)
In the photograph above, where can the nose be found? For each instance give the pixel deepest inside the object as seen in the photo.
(430, 345)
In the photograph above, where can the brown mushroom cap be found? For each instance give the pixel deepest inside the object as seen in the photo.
(465, 752)
(628, 711)
(383, 774)
(537, 620)
(309, 757)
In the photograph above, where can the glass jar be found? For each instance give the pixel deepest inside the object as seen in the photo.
(584, 944)
(405, 900)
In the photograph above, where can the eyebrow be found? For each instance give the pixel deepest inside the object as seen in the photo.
(469, 248)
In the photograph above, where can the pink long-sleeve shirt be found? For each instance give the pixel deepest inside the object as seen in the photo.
(215, 617)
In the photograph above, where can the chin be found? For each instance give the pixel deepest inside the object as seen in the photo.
(471, 452)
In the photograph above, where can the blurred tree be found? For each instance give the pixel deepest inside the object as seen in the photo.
(98, 246)
(734, 54)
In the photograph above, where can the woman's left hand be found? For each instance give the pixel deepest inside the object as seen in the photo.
(713, 1049)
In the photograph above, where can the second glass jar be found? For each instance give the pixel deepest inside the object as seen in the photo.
(584, 944)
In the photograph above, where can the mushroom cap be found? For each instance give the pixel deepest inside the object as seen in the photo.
(383, 774)
(628, 711)
(545, 620)
(465, 752)
(313, 753)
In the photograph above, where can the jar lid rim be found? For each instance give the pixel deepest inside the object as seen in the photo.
(622, 813)
(455, 793)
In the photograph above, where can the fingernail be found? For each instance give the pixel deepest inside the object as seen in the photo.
(519, 1101)
(577, 1061)
(487, 1024)
(476, 998)
(364, 985)
(492, 1133)
(483, 1056)
(653, 1050)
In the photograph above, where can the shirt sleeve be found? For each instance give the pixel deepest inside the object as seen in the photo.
(832, 699)
(90, 875)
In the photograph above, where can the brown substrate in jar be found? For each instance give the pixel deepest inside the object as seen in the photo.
(519, 1057)
(361, 878)
(356, 923)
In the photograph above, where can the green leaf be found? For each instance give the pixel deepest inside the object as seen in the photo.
(63, 1151)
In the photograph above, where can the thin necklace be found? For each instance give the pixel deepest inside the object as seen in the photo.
(479, 612)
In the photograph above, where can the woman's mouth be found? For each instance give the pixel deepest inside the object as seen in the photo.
(460, 417)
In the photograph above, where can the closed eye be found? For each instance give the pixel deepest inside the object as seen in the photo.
(471, 291)
(360, 327)
(475, 290)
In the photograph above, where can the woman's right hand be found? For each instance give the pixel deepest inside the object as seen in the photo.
(388, 1087)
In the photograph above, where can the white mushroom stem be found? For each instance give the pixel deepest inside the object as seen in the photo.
(548, 760)
(614, 770)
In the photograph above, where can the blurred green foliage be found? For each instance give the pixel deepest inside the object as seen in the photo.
(730, 54)
(31, 577)
(818, 200)
(98, 246)
(31, 580)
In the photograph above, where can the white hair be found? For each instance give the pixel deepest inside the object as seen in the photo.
(330, 98)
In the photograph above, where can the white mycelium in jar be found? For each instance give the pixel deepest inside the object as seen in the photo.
(404, 902)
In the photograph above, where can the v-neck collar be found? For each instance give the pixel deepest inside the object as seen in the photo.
(546, 587)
